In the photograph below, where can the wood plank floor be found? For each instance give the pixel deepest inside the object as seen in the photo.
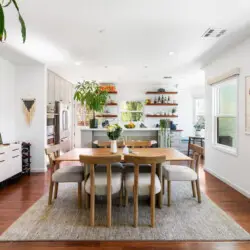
(16, 198)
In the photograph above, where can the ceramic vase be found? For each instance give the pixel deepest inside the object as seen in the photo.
(113, 146)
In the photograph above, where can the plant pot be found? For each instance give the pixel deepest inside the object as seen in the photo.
(93, 123)
(113, 147)
(198, 133)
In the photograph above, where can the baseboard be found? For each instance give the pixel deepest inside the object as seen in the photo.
(237, 188)
(39, 170)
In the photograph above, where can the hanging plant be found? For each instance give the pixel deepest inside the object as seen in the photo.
(3, 32)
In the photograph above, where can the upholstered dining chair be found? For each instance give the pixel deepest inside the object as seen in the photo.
(64, 174)
(184, 173)
(102, 183)
(143, 183)
(129, 166)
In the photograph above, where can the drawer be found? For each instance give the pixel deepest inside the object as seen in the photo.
(15, 149)
(16, 164)
(5, 171)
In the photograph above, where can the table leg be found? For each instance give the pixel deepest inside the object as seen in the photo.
(109, 198)
(189, 141)
(92, 195)
(86, 195)
(159, 195)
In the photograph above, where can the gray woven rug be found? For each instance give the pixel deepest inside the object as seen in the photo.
(184, 220)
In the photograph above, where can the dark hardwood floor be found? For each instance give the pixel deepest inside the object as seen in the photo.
(17, 197)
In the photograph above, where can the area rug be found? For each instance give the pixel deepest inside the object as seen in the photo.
(184, 220)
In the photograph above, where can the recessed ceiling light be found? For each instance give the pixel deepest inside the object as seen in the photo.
(171, 53)
(145, 66)
(78, 63)
(106, 67)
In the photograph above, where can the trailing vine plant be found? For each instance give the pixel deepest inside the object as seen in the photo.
(3, 33)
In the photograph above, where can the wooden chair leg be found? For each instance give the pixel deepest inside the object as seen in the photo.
(109, 196)
(136, 176)
(56, 190)
(50, 192)
(92, 196)
(126, 198)
(121, 196)
(152, 195)
(169, 193)
(198, 190)
(163, 185)
(193, 188)
(79, 195)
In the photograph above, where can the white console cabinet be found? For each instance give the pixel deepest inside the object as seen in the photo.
(10, 161)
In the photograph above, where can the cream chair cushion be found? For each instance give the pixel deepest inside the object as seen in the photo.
(144, 181)
(179, 173)
(101, 183)
(68, 174)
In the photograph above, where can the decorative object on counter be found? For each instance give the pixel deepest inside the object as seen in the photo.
(3, 32)
(129, 125)
(173, 126)
(161, 90)
(164, 133)
(1, 140)
(29, 109)
(114, 132)
(26, 158)
(142, 125)
(199, 125)
(105, 124)
(90, 93)
(125, 150)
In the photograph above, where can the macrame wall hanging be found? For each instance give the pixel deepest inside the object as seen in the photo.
(29, 109)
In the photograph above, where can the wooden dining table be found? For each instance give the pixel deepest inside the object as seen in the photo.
(172, 155)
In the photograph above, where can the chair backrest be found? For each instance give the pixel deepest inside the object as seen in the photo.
(52, 152)
(138, 144)
(106, 144)
(198, 151)
(136, 159)
(102, 159)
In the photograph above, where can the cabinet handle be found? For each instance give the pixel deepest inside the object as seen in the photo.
(15, 149)
(2, 153)
(2, 161)
(15, 156)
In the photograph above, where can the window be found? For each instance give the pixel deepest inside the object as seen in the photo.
(199, 107)
(131, 111)
(83, 115)
(225, 115)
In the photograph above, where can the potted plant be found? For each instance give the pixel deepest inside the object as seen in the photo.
(3, 33)
(114, 132)
(173, 111)
(199, 125)
(90, 94)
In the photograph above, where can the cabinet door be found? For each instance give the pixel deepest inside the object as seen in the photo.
(70, 92)
(4, 170)
(57, 88)
(51, 88)
(16, 164)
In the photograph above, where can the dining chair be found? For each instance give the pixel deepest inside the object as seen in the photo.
(143, 183)
(100, 183)
(63, 174)
(184, 173)
(129, 166)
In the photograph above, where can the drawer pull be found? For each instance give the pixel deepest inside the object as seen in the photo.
(15, 156)
(15, 149)
(2, 161)
(2, 153)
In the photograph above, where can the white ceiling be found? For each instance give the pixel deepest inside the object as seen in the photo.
(126, 35)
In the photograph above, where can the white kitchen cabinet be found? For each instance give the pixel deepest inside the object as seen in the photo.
(57, 88)
(51, 88)
(10, 161)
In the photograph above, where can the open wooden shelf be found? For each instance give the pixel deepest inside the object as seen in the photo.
(112, 92)
(107, 115)
(165, 116)
(111, 104)
(161, 93)
(162, 104)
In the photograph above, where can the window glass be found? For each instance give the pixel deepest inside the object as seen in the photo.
(228, 99)
(226, 134)
(131, 111)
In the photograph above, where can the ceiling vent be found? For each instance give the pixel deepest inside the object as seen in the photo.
(211, 32)
(167, 77)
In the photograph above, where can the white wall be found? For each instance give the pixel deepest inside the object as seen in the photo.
(31, 83)
(234, 170)
(7, 101)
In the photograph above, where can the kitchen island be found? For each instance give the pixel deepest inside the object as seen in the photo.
(89, 135)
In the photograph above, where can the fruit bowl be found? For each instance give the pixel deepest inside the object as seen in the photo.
(129, 125)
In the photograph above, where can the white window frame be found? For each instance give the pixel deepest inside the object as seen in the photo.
(216, 114)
